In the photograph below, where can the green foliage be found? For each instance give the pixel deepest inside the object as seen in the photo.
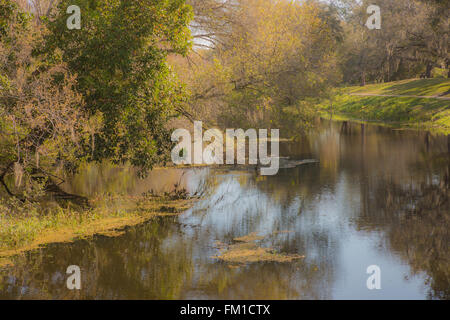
(119, 56)
(10, 14)
(41, 124)
(102, 92)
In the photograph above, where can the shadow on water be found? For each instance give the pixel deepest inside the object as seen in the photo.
(378, 196)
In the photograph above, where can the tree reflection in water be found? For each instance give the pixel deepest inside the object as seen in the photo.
(388, 188)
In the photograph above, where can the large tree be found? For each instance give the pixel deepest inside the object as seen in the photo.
(42, 123)
(119, 56)
(102, 92)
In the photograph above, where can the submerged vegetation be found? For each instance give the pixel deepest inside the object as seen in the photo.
(26, 226)
(246, 250)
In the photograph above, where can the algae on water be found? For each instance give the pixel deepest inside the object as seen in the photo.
(246, 250)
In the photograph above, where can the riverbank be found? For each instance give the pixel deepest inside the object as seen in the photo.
(415, 104)
(26, 227)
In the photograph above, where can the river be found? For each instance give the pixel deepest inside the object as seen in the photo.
(378, 197)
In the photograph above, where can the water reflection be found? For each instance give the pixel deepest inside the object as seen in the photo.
(378, 196)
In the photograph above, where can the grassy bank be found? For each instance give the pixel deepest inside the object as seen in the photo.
(27, 226)
(409, 103)
(438, 87)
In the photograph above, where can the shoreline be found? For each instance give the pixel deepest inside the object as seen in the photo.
(395, 125)
(110, 222)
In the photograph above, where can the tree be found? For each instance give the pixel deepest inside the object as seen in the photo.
(413, 39)
(42, 124)
(103, 92)
(264, 62)
(119, 57)
(428, 41)
(39, 8)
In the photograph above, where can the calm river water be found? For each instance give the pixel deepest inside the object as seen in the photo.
(377, 197)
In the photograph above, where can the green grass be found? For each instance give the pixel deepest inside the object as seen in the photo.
(412, 87)
(430, 114)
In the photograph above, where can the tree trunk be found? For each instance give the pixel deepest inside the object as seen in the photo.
(3, 182)
(447, 64)
(2, 179)
(428, 71)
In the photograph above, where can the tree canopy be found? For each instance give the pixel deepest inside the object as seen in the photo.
(119, 57)
(102, 92)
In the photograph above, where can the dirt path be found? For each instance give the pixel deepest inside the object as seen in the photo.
(398, 96)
